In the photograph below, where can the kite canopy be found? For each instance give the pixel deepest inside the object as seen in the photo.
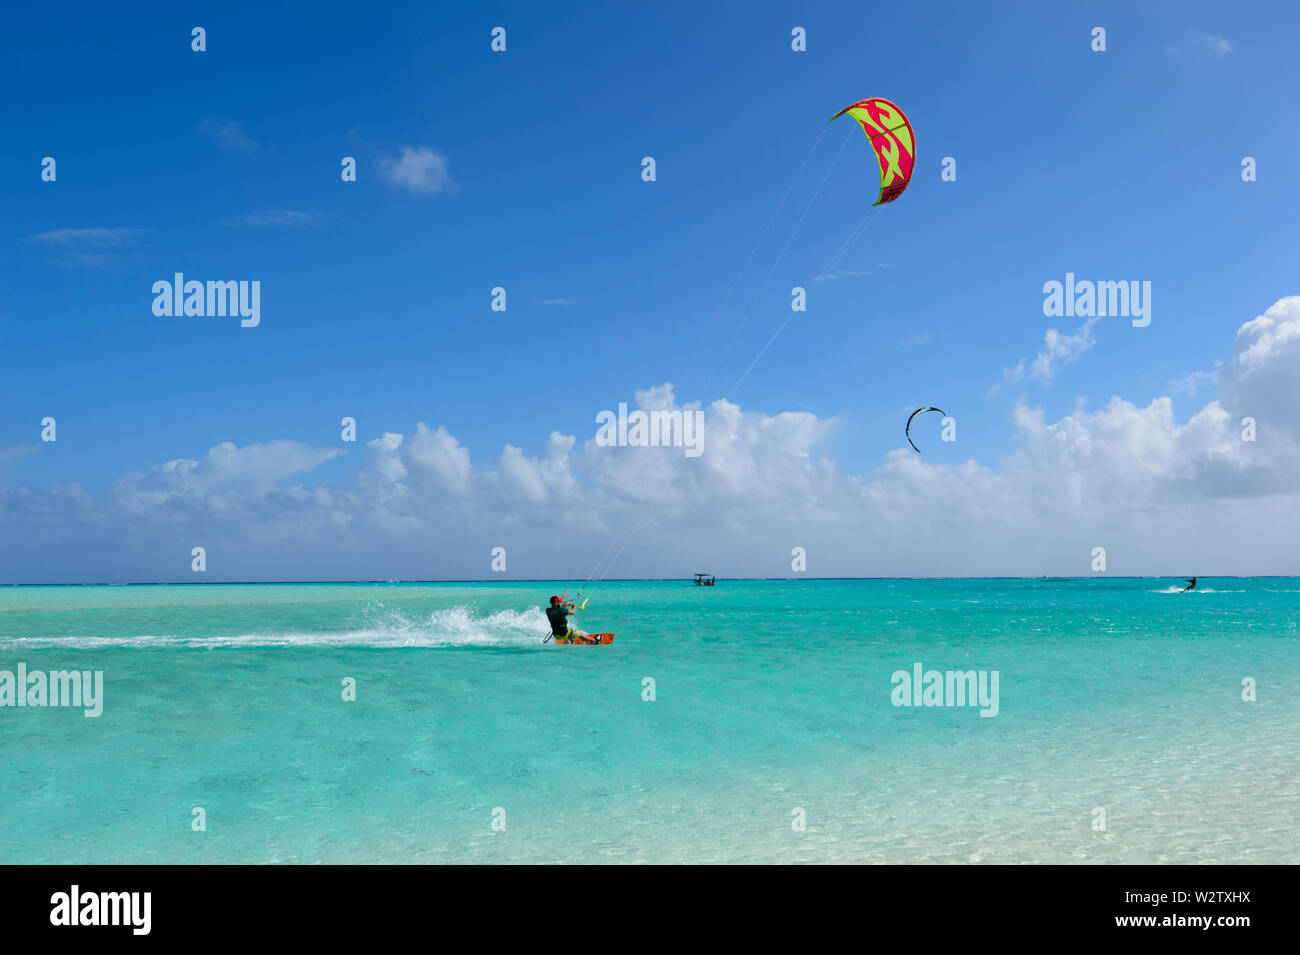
(891, 137)
(908, 430)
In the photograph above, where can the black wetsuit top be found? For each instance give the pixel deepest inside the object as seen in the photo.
(559, 618)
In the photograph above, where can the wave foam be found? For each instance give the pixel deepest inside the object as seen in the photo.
(453, 627)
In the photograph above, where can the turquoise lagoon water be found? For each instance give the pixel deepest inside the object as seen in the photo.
(772, 700)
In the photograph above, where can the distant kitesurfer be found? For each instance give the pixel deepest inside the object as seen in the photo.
(558, 615)
(1191, 583)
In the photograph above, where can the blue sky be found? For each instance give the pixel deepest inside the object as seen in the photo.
(375, 296)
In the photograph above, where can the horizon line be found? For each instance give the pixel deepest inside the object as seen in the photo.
(611, 580)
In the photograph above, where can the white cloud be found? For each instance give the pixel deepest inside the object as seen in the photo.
(1200, 47)
(419, 170)
(16, 453)
(1058, 350)
(1191, 383)
(252, 471)
(96, 236)
(278, 217)
(1261, 376)
(1215, 45)
(439, 456)
(228, 134)
(95, 247)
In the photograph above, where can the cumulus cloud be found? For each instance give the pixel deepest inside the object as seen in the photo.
(1162, 495)
(251, 471)
(1260, 378)
(421, 169)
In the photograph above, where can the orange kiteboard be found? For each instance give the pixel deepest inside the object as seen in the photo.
(590, 639)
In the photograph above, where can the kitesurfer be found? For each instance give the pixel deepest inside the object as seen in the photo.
(558, 615)
(1191, 584)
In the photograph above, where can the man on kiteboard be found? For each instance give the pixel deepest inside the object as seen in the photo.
(558, 615)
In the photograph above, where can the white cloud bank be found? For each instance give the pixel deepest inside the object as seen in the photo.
(1161, 497)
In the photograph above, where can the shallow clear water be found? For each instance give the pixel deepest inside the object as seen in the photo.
(771, 697)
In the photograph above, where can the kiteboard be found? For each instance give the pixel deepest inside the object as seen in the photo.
(593, 639)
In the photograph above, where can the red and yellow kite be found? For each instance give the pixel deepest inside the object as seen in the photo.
(891, 137)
